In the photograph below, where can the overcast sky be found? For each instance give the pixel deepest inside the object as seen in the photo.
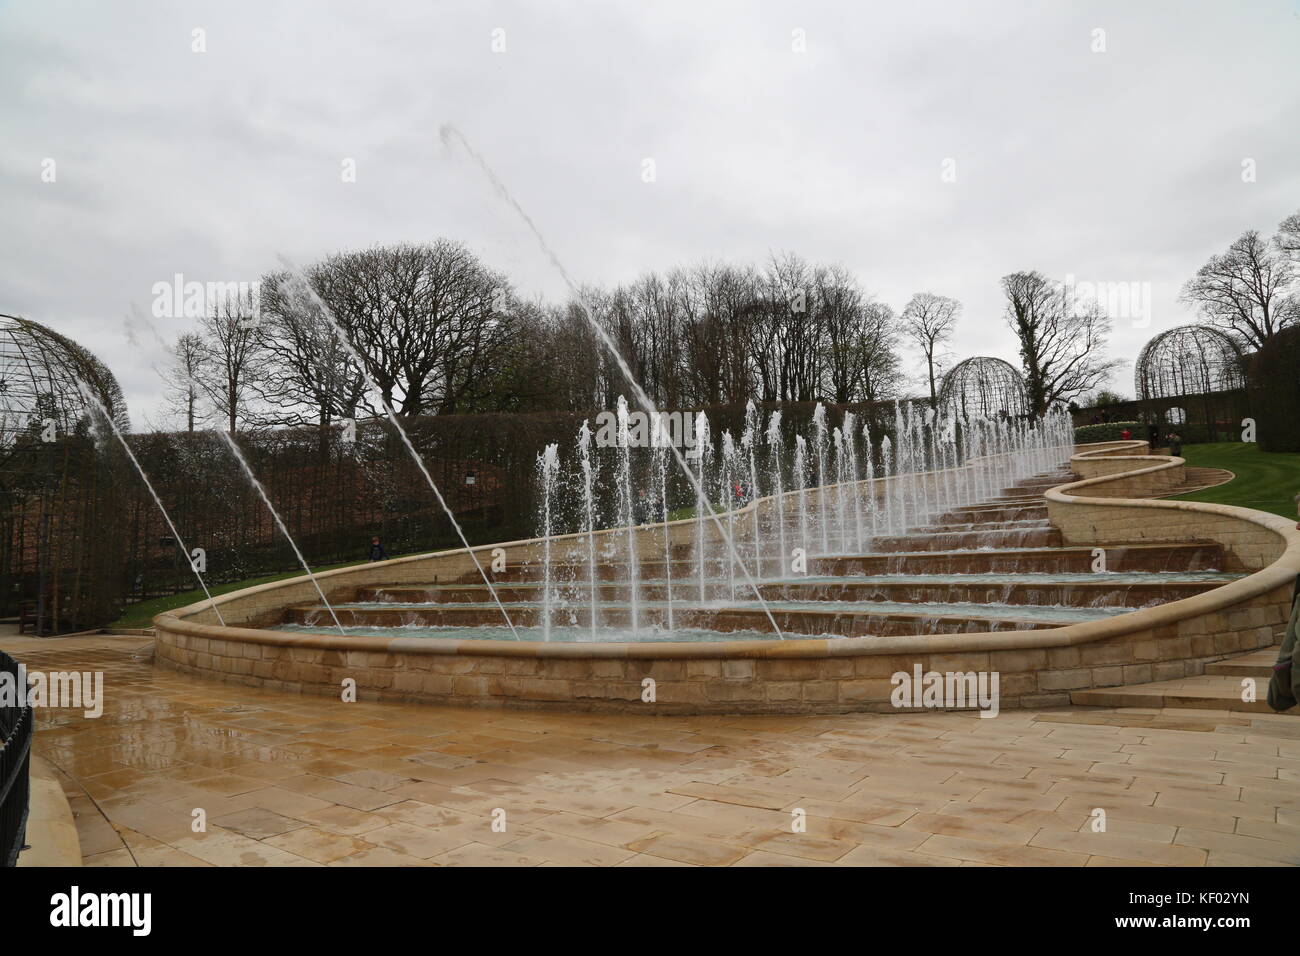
(1117, 166)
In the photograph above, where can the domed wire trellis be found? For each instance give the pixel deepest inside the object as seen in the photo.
(39, 372)
(59, 546)
(1189, 360)
(1195, 373)
(984, 387)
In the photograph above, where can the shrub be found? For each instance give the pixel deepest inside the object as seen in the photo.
(1108, 431)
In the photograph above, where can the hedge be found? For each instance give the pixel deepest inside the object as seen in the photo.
(1108, 431)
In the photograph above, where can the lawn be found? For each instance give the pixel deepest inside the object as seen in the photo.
(1265, 482)
(142, 614)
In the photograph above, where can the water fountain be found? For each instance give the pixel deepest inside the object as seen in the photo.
(937, 509)
(776, 448)
(589, 524)
(627, 510)
(548, 467)
(929, 467)
(703, 452)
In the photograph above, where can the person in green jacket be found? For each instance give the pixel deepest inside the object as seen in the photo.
(1284, 685)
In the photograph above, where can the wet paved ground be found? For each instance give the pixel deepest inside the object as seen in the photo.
(300, 781)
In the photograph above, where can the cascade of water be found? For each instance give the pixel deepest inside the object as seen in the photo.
(986, 463)
(589, 516)
(727, 481)
(922, 420)
(943, 476)
(887, 468)
(962, 455)
(900, 450)
(703, 451)
(934, 464)
(855, 491)
(627, 503)
(548, 466)
(819, 452)
(748, 438)
(917, 449)
(776, 448)
(841, 505)
(939, 458)
(661, 474)
(952, 464)
(801, 484)
(872, 505)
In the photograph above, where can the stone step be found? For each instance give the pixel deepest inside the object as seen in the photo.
(949, 527)
(1203, 556)
(1037, 537)
(996, 513)
(1258, 664)
(1206, 692)
(921, 589)
(1031, 533)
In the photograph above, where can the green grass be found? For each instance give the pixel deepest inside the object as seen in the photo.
(142, 614)
(1265, 482)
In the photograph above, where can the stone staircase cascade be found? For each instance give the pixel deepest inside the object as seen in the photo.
(998, 565)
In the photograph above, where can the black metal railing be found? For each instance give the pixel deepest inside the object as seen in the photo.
(16, 724)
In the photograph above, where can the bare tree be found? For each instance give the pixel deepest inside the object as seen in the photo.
(929, 321)
(429, 320)
(857, 339)
(1244, 289)
(311, 378)
(182, 377)
(786, 346)
(232, 364)
(1062, 343)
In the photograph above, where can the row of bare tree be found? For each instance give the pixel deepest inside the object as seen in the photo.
(431, 329)
(438, 332)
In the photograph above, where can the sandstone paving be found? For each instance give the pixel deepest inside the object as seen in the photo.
(288, 780)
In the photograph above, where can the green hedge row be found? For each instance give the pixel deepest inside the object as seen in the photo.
(1108, 431)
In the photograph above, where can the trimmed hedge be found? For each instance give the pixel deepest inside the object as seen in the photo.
(1108, 431)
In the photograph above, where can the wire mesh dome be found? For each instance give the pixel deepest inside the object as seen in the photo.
(39, 374)
(1189, 360)
(60, 516)
(984, 387)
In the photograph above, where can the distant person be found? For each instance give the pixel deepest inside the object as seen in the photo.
(1175, 444)
(1126, 434)
(377, 552)
(1153, 437)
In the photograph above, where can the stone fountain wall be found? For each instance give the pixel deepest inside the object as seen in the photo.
(1036, 668)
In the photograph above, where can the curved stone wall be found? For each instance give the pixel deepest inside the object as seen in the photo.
(1036, 668)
